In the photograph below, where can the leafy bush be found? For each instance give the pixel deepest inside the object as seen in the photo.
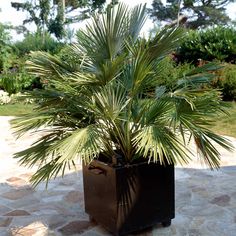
(218, 43)
(170, 72)
(35, 42)
(69, 54)
(226, 81)
(16, 78)
(14, 82)
(13, 76)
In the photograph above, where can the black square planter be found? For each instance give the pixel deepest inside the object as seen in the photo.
(131, 198)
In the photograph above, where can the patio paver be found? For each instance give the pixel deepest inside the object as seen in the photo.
(205, 200)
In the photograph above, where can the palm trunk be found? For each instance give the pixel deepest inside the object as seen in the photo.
(178, 16)
(63, 5)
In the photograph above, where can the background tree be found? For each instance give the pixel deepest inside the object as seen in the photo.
(5, 48)
(38, 12)
(200, 13)
(53, 15)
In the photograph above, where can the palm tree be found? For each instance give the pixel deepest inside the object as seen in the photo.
(108, 102)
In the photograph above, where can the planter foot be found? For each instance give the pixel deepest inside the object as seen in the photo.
(166, 223)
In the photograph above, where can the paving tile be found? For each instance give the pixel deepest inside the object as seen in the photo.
(23, 221)
(4, 187)
(75, 227)
(94, 233)
(57, 221)
(13, 179)
(26, 176)
(17, 194)
(5, 221)
(23, 232)
(73, 196)
(22, 202)
(4, 209)
(34, 229)
(17, 213)
(222, 200)
(55, 198)
(4, 232)
(19, 183)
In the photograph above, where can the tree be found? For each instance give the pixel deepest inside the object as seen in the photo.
(54, 14)
(199, 13)
(5, 48)
(98, 107)
(38, 12)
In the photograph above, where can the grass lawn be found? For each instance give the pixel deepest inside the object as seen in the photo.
(225, 125)
(16, 109)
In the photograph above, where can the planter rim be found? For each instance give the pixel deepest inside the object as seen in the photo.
(126, 165)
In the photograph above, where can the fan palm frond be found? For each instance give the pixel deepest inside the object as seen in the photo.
(85, 141)
(111, 101)
(105, 37)
(166, 41)
(46, 65)
(159, 144)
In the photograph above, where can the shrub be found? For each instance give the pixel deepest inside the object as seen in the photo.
(170, 72)
(69, 54)
(35, 42)
(226, 81)
(218, 43)
(15, 78)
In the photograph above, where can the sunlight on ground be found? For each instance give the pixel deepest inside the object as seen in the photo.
(34, 229)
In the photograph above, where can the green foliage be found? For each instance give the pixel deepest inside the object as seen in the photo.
(217, 43)
(39, 12)
(69, 54)
(35, 42)
(52, 15)
(13, 76)
(99, 107)
(200, 13)
(170, 72)
(226, 81)
(4, 34)
(6, 56)
(16, 79)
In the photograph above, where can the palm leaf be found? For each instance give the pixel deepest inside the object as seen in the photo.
(45, 65)
(86, 142)
(159, 144)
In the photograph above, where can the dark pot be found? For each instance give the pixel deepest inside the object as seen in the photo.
(130, 198)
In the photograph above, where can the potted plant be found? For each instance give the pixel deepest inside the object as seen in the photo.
(104, 107)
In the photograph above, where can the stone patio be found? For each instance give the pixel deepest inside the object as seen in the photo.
(205, 200)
